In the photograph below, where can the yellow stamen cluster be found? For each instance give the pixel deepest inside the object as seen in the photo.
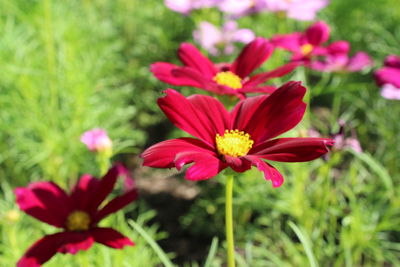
(78, 221)
(234, 143)
(306, 49)
(228, 78)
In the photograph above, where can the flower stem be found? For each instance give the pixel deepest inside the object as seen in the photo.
(229, 221)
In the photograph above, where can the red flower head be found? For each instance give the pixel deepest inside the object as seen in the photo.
(305, 45)
(77, 214)
(224, 79)
(238, 139)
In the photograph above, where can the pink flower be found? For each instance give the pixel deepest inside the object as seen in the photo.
(224, 79)
(389, 78)
(239, 139)
(337, 59)
(296, 9)
(96, 140)
(128, 181)
(213, 39)
(187, 6)
(76, 214)
(238, 8)
(341, 141)
(307, 45)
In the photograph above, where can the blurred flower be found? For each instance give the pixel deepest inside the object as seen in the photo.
(96, 140)
(76, 214)
(186, 6)
(213, 39)
(307, 45)
(238, 8)
(12, 216)
(296, 9)
(224, 79)
(341, 141)
(337, 59)
(389, 78)
(238, 139)
(128, 182)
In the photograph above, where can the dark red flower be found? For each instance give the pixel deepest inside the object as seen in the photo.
(77, 214)
(238, 139)
(224, 79)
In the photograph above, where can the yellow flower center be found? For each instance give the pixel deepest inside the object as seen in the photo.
(306, 49)
(78, 221)
(234, 143)
(228, 78)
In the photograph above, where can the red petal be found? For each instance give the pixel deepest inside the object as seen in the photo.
(111, 238)
(270, 173)
(103, 189)
(267, 89)
(339, 47)
(388, 75)
(238, 164)
(252, 56)
(293, 149)
(205, 165)
(164, 72)
(115, 205)
(45, 201)
(191, 57)
(75, 241)
(194, 115)
(81, 194)
(392, 61)
(196, 79)
(267, 117)
(278, 72)
(318, 33)
(290, 42)
(42, 250)
(162, 155)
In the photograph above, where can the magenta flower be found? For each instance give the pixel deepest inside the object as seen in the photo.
(239, 139)
(76, 214)
(337, 59)
(305, 46)
(389, 78)
(213, 39)
(96, 140)
(296, 9)
(224, 79)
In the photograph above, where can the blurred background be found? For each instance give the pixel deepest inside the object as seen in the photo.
(70, 66)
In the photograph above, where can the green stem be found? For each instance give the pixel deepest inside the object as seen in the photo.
(229, 221)
(161, 254)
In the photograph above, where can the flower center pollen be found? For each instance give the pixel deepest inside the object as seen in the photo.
(228, 78)
(234, 143)
(78, 221)
(306, 49)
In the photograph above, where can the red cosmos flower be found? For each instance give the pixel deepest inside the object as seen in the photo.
(224, 79)
(305, 45)
(238, 139)
(77, 214)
